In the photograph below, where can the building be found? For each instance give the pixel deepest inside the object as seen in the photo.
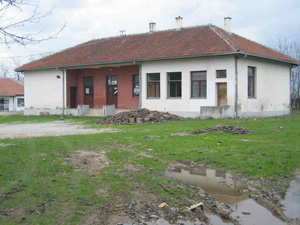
(194, 71)
(11, 95)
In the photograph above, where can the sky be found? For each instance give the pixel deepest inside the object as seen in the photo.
(258, 20)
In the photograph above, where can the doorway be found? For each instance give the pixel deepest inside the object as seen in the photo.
(89, 91)
(222, 94)
(112, 90)
(73, 96)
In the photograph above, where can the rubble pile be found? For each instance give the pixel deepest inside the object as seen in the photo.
(139, 116)
(226, 128)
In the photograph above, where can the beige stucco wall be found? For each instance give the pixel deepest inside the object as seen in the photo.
(272, 88)
(43, 90)
(187, 106)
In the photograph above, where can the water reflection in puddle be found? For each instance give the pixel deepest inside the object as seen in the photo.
(223, 186)
(291, 201)
(218, 183)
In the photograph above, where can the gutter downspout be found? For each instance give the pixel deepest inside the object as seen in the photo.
(291, 68)
(63, 88)
(236, 87)
(236, 58)
(290, 82)
(140, 83)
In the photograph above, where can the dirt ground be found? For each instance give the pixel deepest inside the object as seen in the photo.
(57, 128)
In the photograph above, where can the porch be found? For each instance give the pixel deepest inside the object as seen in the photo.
(92, 89)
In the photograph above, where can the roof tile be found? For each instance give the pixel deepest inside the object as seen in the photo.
(191, 41)
(9, 87)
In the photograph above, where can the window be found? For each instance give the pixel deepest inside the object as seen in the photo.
(174, 85)
(153, 85)
(221, 74)
(112, 80)
(135, 86)
(89, 81)
(4, 104)
(198, 84)
(20, 102)
(251, 82)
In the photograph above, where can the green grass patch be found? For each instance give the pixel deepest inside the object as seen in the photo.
(39, 169)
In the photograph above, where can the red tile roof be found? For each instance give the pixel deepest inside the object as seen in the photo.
(190, 41)
(9, 87)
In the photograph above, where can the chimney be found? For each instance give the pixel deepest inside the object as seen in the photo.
(227, 24)
(152, 27)
(179, 21)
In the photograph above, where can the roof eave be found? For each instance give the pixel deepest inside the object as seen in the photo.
(126, 62)
(158, 59)
(270, 58)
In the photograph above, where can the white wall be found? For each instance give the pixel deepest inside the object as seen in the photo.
(272, 88)
(43, 90)
(186, 105)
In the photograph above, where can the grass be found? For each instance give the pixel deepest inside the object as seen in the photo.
(38, 168)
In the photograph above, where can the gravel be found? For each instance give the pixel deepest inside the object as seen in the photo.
(57, 128)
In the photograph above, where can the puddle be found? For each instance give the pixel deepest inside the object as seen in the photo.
(179, 222)
(216, 220)
(218, 183)
(224, 187)
(291, 202)
(250, 213)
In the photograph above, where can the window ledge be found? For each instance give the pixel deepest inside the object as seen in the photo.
(174, 97)
(252, 97)
(198, 97)
(153, 98)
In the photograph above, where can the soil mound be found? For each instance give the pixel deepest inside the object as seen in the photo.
(139, 116)
(226, 128)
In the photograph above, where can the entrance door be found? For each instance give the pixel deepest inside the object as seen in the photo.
(73, 96)
(222, 94)
(112, 90)
(89, 91)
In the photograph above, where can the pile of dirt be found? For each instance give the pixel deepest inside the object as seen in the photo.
(139, 116)
(226, 128)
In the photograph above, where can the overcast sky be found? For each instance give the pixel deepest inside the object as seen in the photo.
(258, 20)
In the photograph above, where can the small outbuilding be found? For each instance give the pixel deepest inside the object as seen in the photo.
(11, 95)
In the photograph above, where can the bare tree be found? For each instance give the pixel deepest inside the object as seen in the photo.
(5, 70)
(291, 46)
(9, 25)
(17, 62)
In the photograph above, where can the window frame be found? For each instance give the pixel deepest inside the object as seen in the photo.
(198, 81)
(254, 82)
(133, 85)
(221, 77)
(23, 105)
(153, 82)
(176, 82)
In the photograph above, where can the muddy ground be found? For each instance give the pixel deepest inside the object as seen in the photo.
(57, 128)
(143, 207)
